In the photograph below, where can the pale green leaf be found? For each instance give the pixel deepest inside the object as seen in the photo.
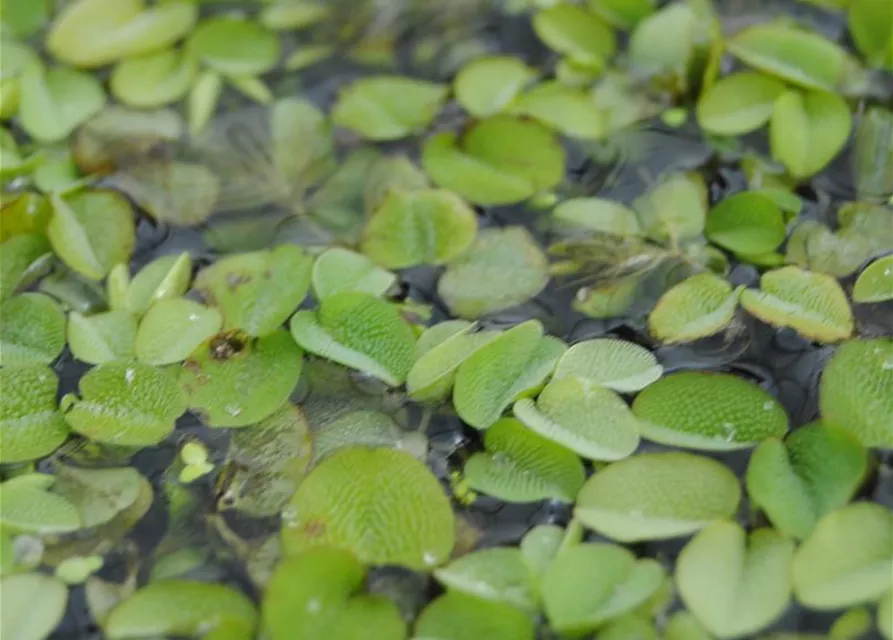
(172, 329)
(164, 278)
(455, 616)
(27, 506)
(697, 307)
(575, 32)
(497, 574)
(364, 429)
(485, 86)
(337, 270)
(33, 604)
(54, 101)
(153, 80)
(32, 330)
(875, 283)
(568, 110)
(872, 155)
(98, 494)
(871, 25)
(20, 260)
(738, 103)
(102, 337)
(599, 215)
(234, 46)
(674, 209)
(622, 366)
(623, 14)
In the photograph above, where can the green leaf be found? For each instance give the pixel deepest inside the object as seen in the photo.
(102, 337)
(391, 173)
(485, 86)
(316, 596)
(817, 469)
(256, 292)
(25, 212)
(54, 101)
(848, 558)
(455, 616)
(568, 110)
(367, 429)
(337, 270)
(498, 160)
(875, 283)
(668, 42)
(622, 366)
(126, 404)
(92, 231)
(476, 285)
(98, 494)
(439, 352)
(359, 331)
(654, 496)
(164, 278)
(697, 307)
(234, 381)
(675, 209)
(33, 605)
(173, 329)
(501, 371)
(734, 582)
(599, 215)
(808, 130)
(497, 574)
(234, 46)
(738, 103)
(32, 330)
(540, 545)
(520, 466)
(20, 259)
(814, 246)
(746, 223)
(383, 505)
(283, 16)
(590, 420)
(153, 80)
(430, 226)
(856, 390)
(181, 193)
(793, 54)
(623, 14)
(871, 26)
(708, 411)
(30, 424)
(588, 584)
(885, 616)
(575, 32)
(388, 107)
(872, 155)
(27, 507)
(24, 19)
(682, 625)
(182, 608)
(203, 99)
(812, 304)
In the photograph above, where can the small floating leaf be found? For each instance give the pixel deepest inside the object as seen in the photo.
(738, 103)
(173, 329)
(153, 80)
(675, 209)
(485, 86)
(848, 558)
(430, 226)
(54, 101)
(746, 223)
(616, 364)
(127, 404)
(657, 495)
(32, 330)
(28, 507)
(871, 25)
(497, 574)
(33, 605)
(20, 257)
(599, 215)
(391, 173)
(590, 420)
(359, 331)
(568, 110)
(439, 352)
(734, 582)
(164, 278)
(383, 505)
(856, 391)
(808, 129)
(235, 381)
(388, 107)
(502, 269)
(102, 337)
(875, 283)
(575, 32)
(708, 411)
(697, 307)
(815, 470)
(337, 270)
(30, 424)
(623, 14)
(520, 466)
(455, 616)
(499, 160)
(812, 304)
(234, 46)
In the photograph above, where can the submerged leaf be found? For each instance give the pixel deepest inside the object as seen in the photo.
(697, 307)
(32, 330)
(30, 424)
(98, 494)
(675, 209)
(622, 366)
(599, 215)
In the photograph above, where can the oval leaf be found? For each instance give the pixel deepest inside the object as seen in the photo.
(102, 337)
(746, 223)
(53, 102)
(455, 616)
(32, 330)
(738, 103)
(622, 366)
(697, 307)
(234, 46)
(485, 86)
(337, 270)
(497, 574)
(173, 329)
(33, 605)
(875, 283)
(30, 424)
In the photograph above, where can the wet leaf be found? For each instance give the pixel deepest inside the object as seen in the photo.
(520, 466)
(502, 269)
(164, 278)
(430, 226)
(153, 80)
(455, 616)
(568, 110)
(383, 505)
(359, 331)
(439, 352)
(32, 330)
(793, 54)
(588, 584)
(697, 307)
(234, 46)
(499, 160)
(182, 608)
(54, 101)
(812, 304)
(856, 390)
(708, 411)
(675, 209)
(486, 86)
(28, 507)
(257, 292)
(738, 103)
(575, 32)
(609, 300)
(337, 270)
(33, 605)
(98, 494)
(92, 231)
(173, 329)
(127, 404)
(847, 559)
(507, 367)
(654, 496)
(871, 26)
(367, 429)
(622, 366)
(388, 107)
(234, 381)
(599, 215)
(807, 130)
(30, 424)
(814, 246)
(20, 259)
(734, 582)
(317, 595)
(875, 283)
(746, 223)
(815, 470)
(301, 142)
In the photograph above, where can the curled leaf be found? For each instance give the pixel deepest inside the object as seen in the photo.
(622, 366)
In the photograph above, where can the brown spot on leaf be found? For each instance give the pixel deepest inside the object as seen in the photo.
(226, 345)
